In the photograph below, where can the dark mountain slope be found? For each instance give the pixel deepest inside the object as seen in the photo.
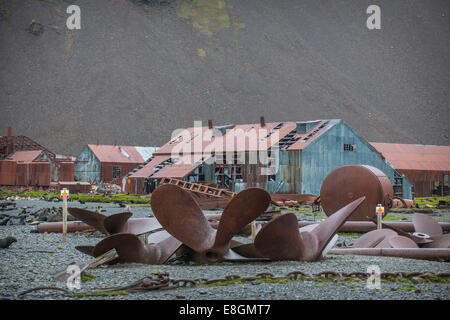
(137, 71)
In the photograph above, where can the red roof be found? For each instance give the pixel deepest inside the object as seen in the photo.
(117, 154)
(415, 157)
(25, 156)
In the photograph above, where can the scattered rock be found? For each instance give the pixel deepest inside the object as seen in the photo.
(35, 28)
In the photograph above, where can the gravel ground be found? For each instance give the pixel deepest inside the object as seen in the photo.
(32, 261)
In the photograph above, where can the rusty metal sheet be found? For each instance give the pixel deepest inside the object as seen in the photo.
(7, 173)
(415, 157)
(66, 171)
(149, 168)
(25, 156)
(39, 173)
(116, 154)
(179, 170)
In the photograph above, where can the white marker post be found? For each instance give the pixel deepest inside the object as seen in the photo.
(380, 212)
(64, 196)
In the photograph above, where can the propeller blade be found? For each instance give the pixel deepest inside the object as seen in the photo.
(115, 223)
(402, 242)
(279, 238)
(167, 248)
(92, 218)
(439, 242)
(425, 224)
(248, 250)
(128, 247)
(242, 209)
(329, 245)
(375, 239)
(181, 216)
(139, 226)
(89, 250)
(328, 228)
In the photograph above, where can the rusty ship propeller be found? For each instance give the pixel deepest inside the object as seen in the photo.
(281, 239)
(181, 216)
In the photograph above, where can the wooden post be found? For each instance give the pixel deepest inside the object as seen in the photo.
(64, 219)
(64, 196)
(379, 211)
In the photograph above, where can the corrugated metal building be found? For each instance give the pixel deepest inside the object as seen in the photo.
(31, 168)
(27, 163)
(109, 163)
(426, 166)
(293, 157)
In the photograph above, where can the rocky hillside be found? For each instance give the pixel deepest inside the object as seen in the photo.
(137, 70)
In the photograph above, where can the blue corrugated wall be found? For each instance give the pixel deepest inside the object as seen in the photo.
(326, 153)
(89, 168)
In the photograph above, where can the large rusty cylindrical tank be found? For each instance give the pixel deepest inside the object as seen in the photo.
(347, 183)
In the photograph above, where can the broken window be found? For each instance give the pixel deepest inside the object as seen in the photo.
(116, 172)
(349, 147)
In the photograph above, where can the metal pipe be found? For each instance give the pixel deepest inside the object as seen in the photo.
(366, 226)
(57, 227)
(409, 253)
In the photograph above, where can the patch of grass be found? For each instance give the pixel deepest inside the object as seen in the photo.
(87, 277)
(433, 201)
(101, 198)
(393, 218)
(354, 235)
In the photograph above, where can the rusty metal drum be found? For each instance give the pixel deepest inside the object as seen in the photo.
(347, 183)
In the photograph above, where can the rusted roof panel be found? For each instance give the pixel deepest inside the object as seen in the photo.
(179, 169)
(415, 157)
(204, 139)
(149, 168)
(308, 137)
(117, 154)
(25, 156)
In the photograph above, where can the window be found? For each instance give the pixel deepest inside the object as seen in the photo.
(116, 172)
(349, 147)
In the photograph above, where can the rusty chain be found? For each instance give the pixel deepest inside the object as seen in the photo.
(162, 281)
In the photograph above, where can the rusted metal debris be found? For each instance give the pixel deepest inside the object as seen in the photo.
(427, 242)
(181, 216)
(348, 183)
(207, 197)
(281, 239)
